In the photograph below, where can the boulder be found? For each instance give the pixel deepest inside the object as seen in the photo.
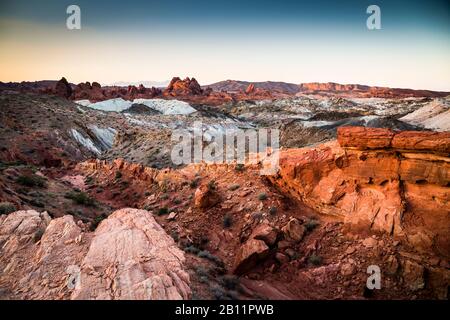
(413, 275)
(294, 230)
(205, 197)
(266, 233)
(249, 254)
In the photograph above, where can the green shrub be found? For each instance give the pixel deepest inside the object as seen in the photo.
(207, 255)
(192, 249)
(162, 211)
(164, 196)
(212, 185)
(227, 221)
(7, 208)
(311, 224)
(80, 197)
(202, 272)
(262, 196)
(97, 221)
(239, 167)
(229, 282)
(38, 235)
(118, 175)
(315, 260)
(273, 210)
(194, 183)
(31, 181)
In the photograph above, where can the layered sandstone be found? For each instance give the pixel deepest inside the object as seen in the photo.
(395, 182)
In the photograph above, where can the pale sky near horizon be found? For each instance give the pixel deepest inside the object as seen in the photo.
(287, 41)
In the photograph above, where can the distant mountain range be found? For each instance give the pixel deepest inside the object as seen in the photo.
(321, 88)
(236, 85)
(147, 84)
(272, 87)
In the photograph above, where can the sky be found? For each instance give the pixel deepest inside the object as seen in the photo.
(292, 41)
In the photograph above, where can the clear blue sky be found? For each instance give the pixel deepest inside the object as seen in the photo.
(293, 41)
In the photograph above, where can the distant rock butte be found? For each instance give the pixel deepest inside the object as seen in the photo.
(183, 87)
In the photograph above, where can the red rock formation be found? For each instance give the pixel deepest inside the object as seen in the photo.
(96, 92)
(63, 88)
(396, 182)
(250, 88)
(183, 87)
(357, 90)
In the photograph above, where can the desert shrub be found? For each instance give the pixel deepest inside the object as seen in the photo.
(262, 196)
(7, 208)
(118, 175)
(207, 255)
(229, 282)
(218, 292)
(315, 260)
(38, 235)
(97, 221)
(273, 210)
(162, 211)
(31, 181)
(37, 203)
(202, 272)
(177, 201)
(239, 167)
(192, 249)
(234, 187)
(175, 235)
(212, 185)
(227, 221)
(164, 185)
(233, 295)
(194, 183)
(164, 196)
(80, 197)
(311, 224)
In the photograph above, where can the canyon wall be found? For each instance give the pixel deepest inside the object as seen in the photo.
(379, 180)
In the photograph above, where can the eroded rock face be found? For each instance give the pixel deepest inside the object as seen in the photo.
(377, 179)
(63, 88)
(183, 87)
(205, 197)
(129, 256)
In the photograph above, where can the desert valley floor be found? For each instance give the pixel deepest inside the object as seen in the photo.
(92, 207)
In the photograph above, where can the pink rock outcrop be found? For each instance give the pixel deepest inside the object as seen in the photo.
(129, 256)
